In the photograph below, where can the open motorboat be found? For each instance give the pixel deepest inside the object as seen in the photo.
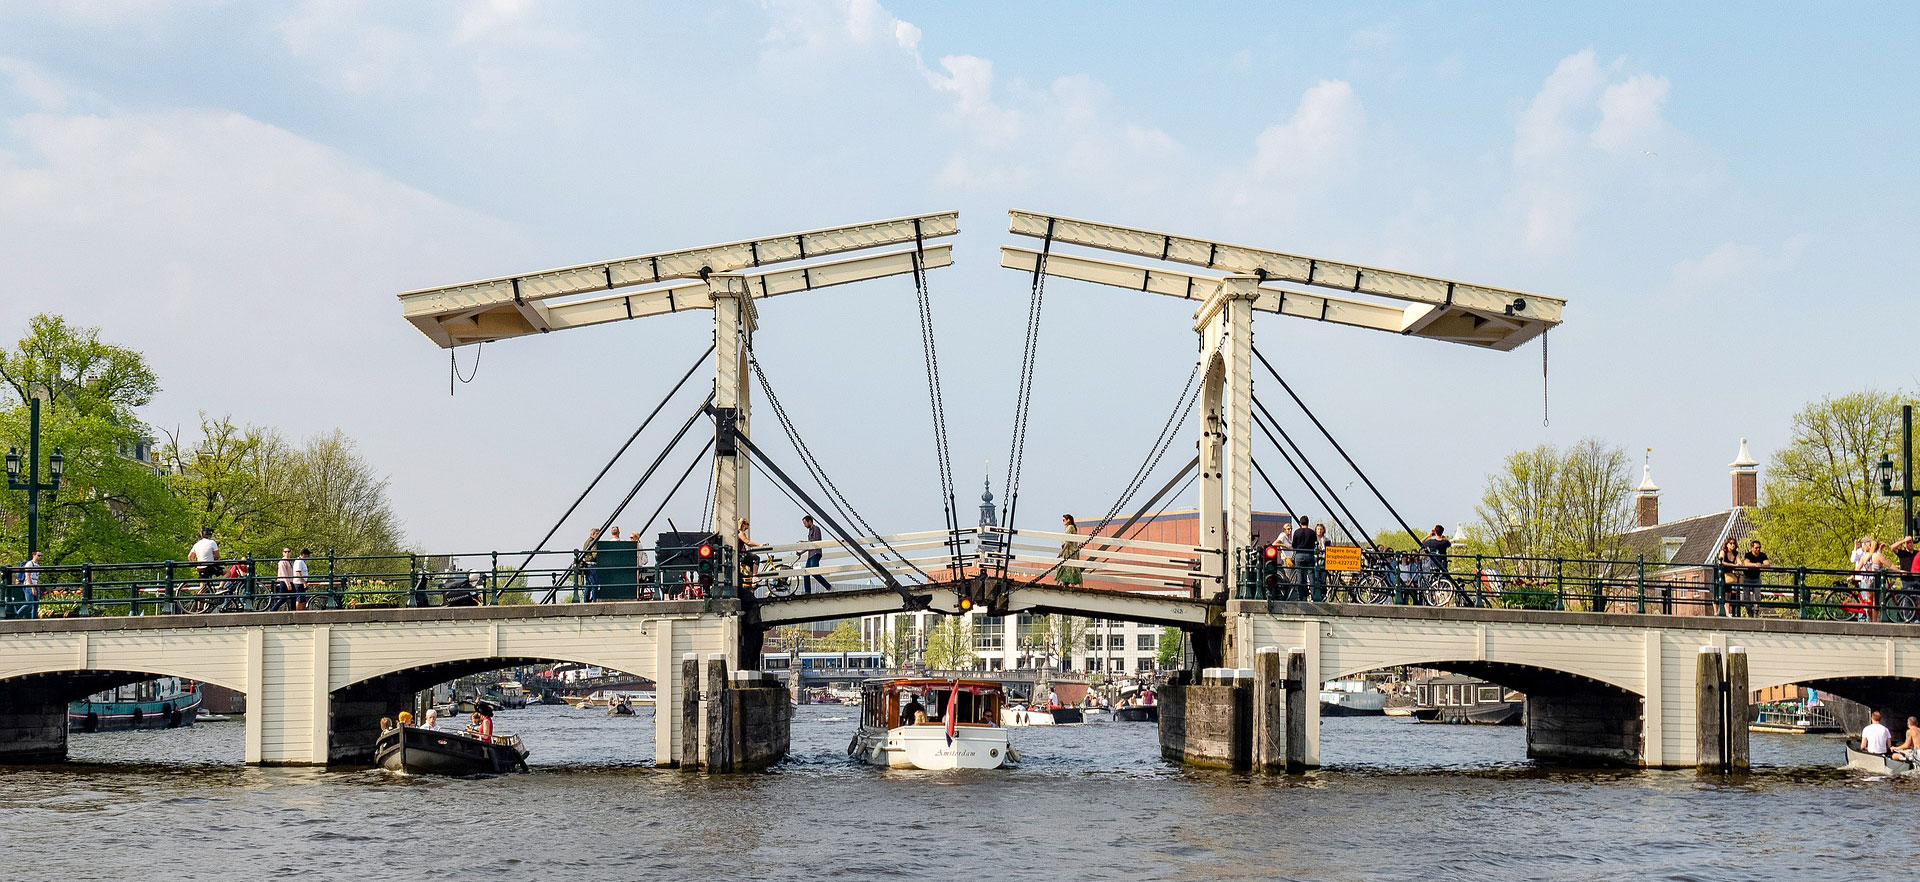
(1879, 764)
(421, 750)
(932, 724)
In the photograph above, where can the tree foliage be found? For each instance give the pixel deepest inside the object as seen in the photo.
(1549, 502)
(950, 644)
(1820, 491)
(844, 638)
(1172, 649)
(110, 506)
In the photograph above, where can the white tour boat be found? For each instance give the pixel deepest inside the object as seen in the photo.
(932, 724)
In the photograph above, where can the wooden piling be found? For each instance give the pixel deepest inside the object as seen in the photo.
(1269, 711)
(1739, 749)
(1297, 697)
(689, 711)
(1710, 722)
(715, 744)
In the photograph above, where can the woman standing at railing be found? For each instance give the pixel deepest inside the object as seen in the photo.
(1729, 561)
(1872, 564)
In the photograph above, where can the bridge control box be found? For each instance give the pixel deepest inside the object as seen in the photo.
(616, 569)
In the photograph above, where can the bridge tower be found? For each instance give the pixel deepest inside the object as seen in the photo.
(1402, 303)
(728, 279)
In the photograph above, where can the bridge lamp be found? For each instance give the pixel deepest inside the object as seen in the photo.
(1885, 469)
(13, 465)
(57, 467)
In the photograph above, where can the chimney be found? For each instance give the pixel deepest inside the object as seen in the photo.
(1746, 478)
(1646, 498)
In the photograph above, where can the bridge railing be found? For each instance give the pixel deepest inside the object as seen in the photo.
(911, 558)
(1073, 557)
(336, 581)
(1617, 585)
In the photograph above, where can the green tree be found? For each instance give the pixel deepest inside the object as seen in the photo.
(845, 638)
(950, 644)
(223, 479)
(329, 497)
(1820, 492)
(1172, 649)
(111, 506)
(1549, 502)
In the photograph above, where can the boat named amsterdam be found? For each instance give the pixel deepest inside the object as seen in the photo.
(932, 724)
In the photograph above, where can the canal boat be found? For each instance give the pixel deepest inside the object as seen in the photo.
(1457, 698)
(1792, 718)
(930, 724)
(1878, 764)
(419, 750)
(610, 697)
(1137, 704)
(1025, 715)
(1351, 698)
(163, 703)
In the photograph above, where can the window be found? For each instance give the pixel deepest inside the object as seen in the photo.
(1489, 693)
(1119, 665)
(1093, 664)
(1147, 642)
(1116, 641)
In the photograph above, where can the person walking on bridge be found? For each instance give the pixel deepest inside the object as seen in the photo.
(1306, 554)
(813, 557)
(1069, 576)
(30, 588)
(1436, 546)
(588, 553)
(283, 582)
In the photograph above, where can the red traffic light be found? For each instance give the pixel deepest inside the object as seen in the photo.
(1271, 552)
(705, 549)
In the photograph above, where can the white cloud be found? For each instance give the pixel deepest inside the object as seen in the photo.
(33, 83)
(1305, 154)
(1630, 118)
(1738, 268)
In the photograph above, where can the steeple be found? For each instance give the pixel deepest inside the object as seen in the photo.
(1746, 477)
(987, 517)
(1646, 497)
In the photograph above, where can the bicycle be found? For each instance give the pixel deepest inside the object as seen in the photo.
(234, 593)
(1843, 602)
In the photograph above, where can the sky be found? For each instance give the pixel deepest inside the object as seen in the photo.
(1725, 197)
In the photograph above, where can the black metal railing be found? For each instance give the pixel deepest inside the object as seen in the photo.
(357, 581)
(1587, 585)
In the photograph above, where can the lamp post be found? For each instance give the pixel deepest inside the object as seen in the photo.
(1907, 491)
(56, 468)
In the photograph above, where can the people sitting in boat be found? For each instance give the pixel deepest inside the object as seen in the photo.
(481, 726)
(385, 724)
(406, 718)
(1876, 738)
(432, 719)
(914, 713)
(1910, 748)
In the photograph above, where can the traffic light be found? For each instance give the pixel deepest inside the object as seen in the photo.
(704, 563)
(1270, 570)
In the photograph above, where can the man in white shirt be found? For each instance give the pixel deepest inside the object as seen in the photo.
(299, 579)
(1875, 738)
(206, 553)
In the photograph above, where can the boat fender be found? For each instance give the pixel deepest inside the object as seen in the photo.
(853, 745)
(139, 715)
(173, 718)
(93, 722)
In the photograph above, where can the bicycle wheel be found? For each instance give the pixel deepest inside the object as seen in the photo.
(1370, 588)
(1902, 608)
(1442, 592)
(198, 602)
(1830, 605)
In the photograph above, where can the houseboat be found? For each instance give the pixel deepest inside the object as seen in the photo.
(932, 724)
(164, 703)
(1351, 698)
(1457, 698)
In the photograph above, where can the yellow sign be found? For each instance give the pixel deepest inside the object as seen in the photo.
(1343, 558)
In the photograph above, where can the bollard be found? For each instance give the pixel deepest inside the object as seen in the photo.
(714, 741)
(689, 711)
(1709, 721)
(1739, 747)
(1297, 697)
(1269, 711)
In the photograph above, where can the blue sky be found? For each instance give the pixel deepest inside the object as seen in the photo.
(1724, 196)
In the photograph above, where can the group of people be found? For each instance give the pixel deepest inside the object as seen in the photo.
(1877, 739)
(289, 578)
(480, 725)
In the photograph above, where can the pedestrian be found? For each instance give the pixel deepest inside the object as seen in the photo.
(1872, 564)
(1320, 546)
(299, 580)
(30, 587)
(1069, 576)
(206, 553)
(1756, 560)
(1436, 545)
(588, 554)
(1306, 574)
(748, 560)
(813, 557)
(283, 582)
(1729, 561)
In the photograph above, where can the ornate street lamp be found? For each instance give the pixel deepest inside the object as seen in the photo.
(1907, 491)
(56, 469)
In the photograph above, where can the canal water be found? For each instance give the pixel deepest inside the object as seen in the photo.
(1397, 800)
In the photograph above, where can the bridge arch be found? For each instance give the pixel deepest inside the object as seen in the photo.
(1573, 718)
(33, 703)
